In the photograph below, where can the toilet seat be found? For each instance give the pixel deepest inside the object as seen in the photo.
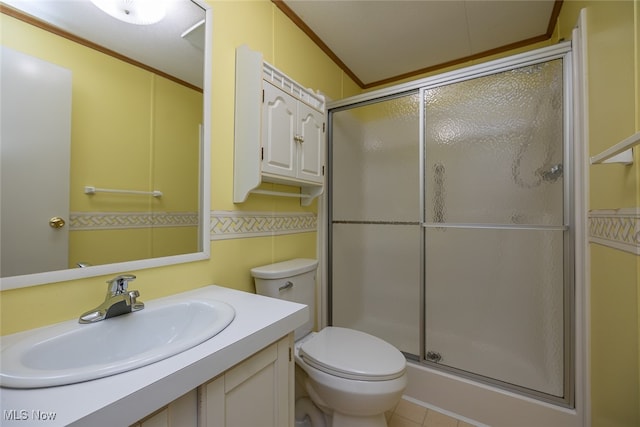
(352, 354)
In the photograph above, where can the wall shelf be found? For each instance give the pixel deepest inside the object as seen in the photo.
(622, 152)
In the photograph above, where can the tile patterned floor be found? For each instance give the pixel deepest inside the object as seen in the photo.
(409, 414)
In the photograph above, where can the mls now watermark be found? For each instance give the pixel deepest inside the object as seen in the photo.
(24, 415)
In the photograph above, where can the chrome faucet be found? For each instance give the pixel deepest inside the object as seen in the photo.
(119, 300)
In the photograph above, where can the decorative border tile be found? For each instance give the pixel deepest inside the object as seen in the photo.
(616, 228)
(84, 221)
(222, 224)
(241, 224)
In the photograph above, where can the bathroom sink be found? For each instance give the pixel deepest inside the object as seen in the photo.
(70, 352)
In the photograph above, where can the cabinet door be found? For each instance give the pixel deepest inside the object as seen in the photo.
(256, 392)
(311, 144)
(182, 412)
(279, 132)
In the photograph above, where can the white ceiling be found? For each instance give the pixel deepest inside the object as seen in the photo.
(384, 39)
(376, 40)
(159, 46)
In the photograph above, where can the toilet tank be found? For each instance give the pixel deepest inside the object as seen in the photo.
(293, 280)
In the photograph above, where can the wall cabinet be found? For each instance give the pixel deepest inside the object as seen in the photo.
(258, 391)
(279, 131)
(292, 138)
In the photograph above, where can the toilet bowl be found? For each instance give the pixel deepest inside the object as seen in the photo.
(351, 376)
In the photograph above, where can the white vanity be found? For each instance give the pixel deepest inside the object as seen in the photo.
(241, 376)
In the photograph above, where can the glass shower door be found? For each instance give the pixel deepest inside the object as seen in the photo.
(495, 234)
(375, 211)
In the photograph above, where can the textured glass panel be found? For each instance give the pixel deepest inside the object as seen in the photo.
(494, 148)
(376, 281)
(494, 304)
(375, 164)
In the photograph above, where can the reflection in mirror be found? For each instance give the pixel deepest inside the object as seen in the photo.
(103, 165)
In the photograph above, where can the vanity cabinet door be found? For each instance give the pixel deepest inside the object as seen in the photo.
(182, 412)
(257, 392)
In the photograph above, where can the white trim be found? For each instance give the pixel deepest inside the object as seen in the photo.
(581, 201)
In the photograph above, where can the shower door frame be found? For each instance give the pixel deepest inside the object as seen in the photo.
(559, 51)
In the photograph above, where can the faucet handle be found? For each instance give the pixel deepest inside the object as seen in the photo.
(133, 302)
(118, 285)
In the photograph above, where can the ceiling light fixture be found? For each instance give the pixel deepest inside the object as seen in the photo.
(139, 12)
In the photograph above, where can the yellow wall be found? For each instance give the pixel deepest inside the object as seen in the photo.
(614, 114)
(264, 28)
(613, 109)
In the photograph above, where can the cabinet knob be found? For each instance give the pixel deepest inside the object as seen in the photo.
(298, 138)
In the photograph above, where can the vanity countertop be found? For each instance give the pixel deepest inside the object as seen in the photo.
(123, 399)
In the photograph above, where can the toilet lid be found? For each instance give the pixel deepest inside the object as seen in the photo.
(352, 354)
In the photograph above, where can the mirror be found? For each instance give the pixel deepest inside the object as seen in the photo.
(137, 103)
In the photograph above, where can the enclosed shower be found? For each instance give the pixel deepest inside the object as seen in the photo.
(449, 223)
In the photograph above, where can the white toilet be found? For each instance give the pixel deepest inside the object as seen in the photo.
(353, 377)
